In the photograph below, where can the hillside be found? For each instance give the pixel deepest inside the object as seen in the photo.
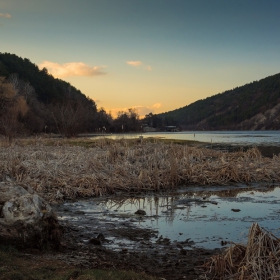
(33, 101)
(254, 106)
(47, 88)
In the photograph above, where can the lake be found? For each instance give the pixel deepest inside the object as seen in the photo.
(239, 138)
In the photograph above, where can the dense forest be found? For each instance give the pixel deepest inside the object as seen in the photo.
(253, 106)
(33, 101)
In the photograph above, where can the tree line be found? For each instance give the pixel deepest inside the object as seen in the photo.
(32, 101)
(21, 113)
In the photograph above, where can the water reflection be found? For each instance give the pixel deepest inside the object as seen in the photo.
(201, 214)
(204, 216)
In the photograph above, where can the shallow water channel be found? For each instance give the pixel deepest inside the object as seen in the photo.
(208, 217)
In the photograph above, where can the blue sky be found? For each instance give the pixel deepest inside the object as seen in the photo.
(154, 55)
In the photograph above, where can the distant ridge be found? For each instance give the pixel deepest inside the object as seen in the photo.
(254, 106)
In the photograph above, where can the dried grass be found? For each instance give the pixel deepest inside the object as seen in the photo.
(259, 260)
(58, 171)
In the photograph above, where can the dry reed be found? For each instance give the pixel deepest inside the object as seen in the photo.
(259, 260)
(60, 171)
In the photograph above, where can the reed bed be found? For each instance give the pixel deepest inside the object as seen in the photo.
(258, 260)
(59, 171)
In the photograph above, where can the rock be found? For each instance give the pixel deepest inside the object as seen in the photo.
(101, 237)
(183, 252)
(95, 241)
(26, 220)
(140, 212)
(79, 212)
(235, 210)
(223, 243)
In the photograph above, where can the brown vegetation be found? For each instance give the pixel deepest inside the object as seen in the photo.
(258, 260)
(61, 172)
(12, 108)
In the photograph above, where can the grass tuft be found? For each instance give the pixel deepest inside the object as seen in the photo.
(259, 259)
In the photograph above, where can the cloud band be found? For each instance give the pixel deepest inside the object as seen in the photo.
(5, 15)
(72, 69)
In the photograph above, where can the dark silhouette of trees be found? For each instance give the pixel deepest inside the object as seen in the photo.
(73, 115)
(103, 121)
(127, 121)
(154, 121)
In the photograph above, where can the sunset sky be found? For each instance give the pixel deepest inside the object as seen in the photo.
(153, 55)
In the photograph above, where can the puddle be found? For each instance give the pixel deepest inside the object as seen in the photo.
(208, 217)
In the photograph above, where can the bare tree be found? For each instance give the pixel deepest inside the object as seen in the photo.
(12, 107)
(14, 81)
(71, 116)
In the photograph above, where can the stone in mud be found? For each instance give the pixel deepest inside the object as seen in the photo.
(95, 241)
(26, 220)
(183, 252)
(101, 237)
(214, 202)
(224, 243)
(140, 212)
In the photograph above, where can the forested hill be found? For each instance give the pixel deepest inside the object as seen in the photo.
(47, 88)
(253, 106)
(33, 101)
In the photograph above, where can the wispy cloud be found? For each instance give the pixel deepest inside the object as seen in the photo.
(134, 63)
(138, 63)
(72, 69)
(5, 15)
(157, 105)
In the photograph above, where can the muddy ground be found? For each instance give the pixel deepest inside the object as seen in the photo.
(114, 240)
(163, 258)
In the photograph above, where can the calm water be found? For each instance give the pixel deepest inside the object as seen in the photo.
(203, 215)
(266, 138)
(206, 222)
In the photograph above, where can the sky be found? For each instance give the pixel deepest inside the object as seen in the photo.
(151, 55)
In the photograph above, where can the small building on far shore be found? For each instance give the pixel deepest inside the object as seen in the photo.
(149, 129)
(172, 128)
